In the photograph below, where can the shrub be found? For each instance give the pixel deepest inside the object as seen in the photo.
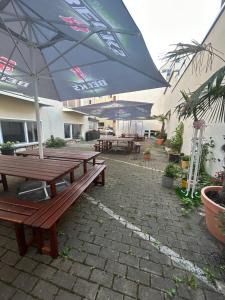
(176, 141)
(171, 171)
(186, 158)
(8, 145)
(55, 142)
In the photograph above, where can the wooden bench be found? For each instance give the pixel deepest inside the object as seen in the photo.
(46, 218)
(43, 217)
(17, 211)
(98, 162)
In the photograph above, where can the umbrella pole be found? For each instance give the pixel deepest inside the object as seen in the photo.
(38, 119)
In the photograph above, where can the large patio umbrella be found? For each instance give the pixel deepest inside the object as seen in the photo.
(119, 110)
(68, 49)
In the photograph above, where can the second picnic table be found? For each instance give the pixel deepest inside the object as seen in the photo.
(105, 143)
(65, 154)
(37, 169)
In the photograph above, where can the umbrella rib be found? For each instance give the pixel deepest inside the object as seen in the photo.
(16, 47)
(19, 20)
(71, 66)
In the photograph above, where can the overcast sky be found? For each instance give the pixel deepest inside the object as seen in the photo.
(166, 22)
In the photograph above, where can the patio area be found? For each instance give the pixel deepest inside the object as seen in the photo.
(120, 241)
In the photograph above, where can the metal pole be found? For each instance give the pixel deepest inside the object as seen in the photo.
(35, 86)
(38, 119)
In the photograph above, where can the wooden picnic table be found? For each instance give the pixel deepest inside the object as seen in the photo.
(65, 154)
(38, 169)
(105, 143)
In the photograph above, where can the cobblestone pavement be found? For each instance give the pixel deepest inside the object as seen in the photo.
(102, 258)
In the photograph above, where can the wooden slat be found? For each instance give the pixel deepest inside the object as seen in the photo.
(12, 217)
(10, 207)
(23, 203)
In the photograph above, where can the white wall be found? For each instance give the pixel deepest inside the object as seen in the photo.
(190, 81)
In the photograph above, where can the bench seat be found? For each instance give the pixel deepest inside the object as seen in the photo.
(47, 216)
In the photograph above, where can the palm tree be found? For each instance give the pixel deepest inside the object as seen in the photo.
(208, 101)
(162, 118)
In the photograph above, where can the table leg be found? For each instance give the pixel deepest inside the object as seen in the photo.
(94, 159)
(53, 242)
(4, 182)
(72, 176)
(53, 189)
(85, 167)
(20, 237)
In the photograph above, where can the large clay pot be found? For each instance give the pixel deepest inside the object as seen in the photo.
(159, 141)
(211, 213)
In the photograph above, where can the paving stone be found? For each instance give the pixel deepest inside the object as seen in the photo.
(45, 290)
(95, 261)
(64, 295)
(44, 271)
(120, 246)
(107, 294)
(10, 258)
(102, 278)
(86, 289)
(91, 248)
(62, 264)
(161, 283)
(150, 266)
(116, 268)
(25, 282)
(80, 270)
(210, 295)
(8, 273)
(26, 264)
(109, 253)
(129, 260)
(147, 293)
(138, 276)
(63, 280)
(78, 255)
(6, 291)
(19, 295)
(125, 286)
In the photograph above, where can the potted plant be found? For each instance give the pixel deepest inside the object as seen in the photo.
(213, 198)
(162, 135)
(185, 161)
(176, 143)
(147, 154)
(184, 175)
(8, 148)
(170, 173)
(167, 145)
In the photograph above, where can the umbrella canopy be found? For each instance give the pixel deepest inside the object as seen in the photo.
(68, 49)
(119, 110)
(81, 49)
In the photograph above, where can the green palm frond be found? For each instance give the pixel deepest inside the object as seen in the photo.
(208, 101)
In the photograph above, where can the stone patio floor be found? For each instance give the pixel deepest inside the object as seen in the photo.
(104, 241)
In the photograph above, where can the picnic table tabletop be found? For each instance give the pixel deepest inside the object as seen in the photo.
(37, 169)
(116, 139)
(65, 153)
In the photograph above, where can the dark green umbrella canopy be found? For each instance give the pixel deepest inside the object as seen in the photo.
(74, 48)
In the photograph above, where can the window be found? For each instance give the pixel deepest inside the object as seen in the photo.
(32, 132)
(67, 131)
(76, 131)
(13, 131)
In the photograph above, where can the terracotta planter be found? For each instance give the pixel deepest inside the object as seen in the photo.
(147, 156)
(159, 141)
(184, 164)
(211, 213)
